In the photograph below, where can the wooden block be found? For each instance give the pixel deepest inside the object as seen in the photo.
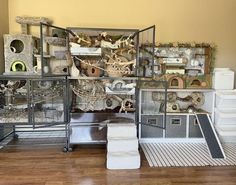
(24, 29)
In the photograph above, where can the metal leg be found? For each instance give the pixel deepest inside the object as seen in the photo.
(15, 136)
(67, 147)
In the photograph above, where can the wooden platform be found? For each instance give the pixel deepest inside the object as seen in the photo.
(48, 165)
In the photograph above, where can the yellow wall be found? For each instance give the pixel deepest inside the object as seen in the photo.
(176, 20)
(3, 29)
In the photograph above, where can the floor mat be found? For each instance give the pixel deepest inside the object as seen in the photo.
(186, 154)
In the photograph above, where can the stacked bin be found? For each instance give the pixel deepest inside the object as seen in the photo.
(225, 115)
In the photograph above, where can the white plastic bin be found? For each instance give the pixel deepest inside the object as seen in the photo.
(227, 133)
(227, 116)
(226, 99)
(227, 128)
(223, 78)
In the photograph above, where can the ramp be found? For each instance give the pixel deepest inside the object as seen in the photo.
(210, 135)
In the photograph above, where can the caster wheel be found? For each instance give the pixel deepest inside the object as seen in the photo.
(70, 149)
(16, 136)
(65, 149)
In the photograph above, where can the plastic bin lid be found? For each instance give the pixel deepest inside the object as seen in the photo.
(227, 94)
(223, 132)
(221, 69)
(226, 111)
(225, 127)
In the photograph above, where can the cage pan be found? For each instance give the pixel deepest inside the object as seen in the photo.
(84, 134)
(91, 118)
(91, 127)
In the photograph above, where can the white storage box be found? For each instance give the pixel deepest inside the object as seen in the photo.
(226, 116)
(223, 78)
(226, 99)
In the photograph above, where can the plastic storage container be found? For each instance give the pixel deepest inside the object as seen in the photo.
(226, 99)
(223, 79)
(227, 133)
(227, 116)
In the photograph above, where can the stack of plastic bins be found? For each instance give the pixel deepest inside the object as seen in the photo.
(122, 146)
(225, 115)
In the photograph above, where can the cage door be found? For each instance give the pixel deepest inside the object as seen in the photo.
(146, 52)
(54, 42)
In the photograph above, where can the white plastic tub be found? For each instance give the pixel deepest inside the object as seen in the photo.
(227, 133)
(227, 129)
(226, 116)
(223, 78)
(226, 99)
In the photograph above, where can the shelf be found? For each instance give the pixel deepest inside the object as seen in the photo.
(85, 51)
(150, 114)
(14, 123)
(180, 90)
(20, 76)
(171, 113)
(102, 78)
(28, 77)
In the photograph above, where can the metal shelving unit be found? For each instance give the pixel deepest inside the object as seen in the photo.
(85, 79)
(93, 106)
